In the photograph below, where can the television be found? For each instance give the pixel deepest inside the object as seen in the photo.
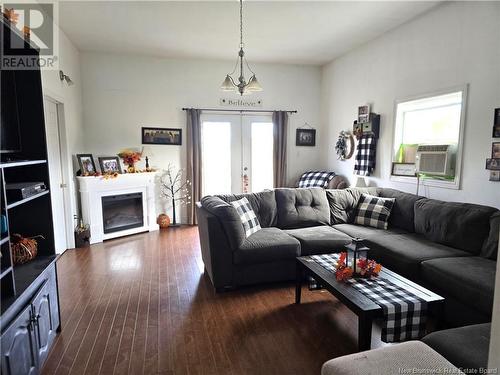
(10, 130)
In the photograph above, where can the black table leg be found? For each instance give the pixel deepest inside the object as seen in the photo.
(364, 333)
(298, 283)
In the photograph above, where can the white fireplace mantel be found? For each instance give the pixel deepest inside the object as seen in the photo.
(92, 189)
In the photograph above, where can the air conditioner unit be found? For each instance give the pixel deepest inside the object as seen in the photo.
(438, 160)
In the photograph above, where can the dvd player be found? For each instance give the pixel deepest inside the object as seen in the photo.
(23, 190)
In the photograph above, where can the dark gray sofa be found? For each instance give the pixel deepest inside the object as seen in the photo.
(449, 247)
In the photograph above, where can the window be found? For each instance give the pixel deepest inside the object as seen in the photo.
(216, 157)
(427, 138)
(262, 156)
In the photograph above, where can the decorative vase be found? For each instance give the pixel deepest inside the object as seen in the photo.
(163, 221)
(131, 168)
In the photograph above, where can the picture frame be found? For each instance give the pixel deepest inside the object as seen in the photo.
(495, 150)
(404, 169)
(161, 136)
(364, 114)
(87, 164)
(305, 137)
(493, 164)
(494, 175)
(110, 164)
(496, 123)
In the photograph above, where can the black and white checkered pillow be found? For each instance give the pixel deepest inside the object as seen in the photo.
(315, 179)
(247, 215)
(373, 211)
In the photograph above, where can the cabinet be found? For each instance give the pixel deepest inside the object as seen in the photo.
(27, 340)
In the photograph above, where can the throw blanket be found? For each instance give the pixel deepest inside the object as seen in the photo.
(405, 314)
(315, 179)
(366, 151)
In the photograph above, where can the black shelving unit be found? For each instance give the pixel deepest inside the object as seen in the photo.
(29, 317)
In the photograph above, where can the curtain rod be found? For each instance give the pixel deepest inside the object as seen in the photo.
(236, 110)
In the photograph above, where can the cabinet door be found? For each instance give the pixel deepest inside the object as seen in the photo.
(19, 355)
(45, 331)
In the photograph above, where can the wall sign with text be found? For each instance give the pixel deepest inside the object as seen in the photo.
(246, 103)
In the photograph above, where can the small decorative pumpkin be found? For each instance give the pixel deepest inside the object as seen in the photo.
(23, 249)
(163, 221)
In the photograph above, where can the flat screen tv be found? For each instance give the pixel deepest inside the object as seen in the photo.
(10, 131)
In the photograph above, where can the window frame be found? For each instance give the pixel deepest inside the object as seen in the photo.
(456, 183)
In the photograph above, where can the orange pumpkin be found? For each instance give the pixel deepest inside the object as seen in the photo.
(163, 221)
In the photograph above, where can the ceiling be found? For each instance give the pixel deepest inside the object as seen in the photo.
(300, 32)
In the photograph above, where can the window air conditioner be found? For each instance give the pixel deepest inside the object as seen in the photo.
(436, 160)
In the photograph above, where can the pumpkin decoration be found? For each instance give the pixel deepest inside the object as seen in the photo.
(163, 221)
(24, 249)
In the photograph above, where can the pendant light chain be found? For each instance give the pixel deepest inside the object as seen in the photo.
(241, 23)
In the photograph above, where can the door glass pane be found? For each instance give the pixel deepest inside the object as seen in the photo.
(216, 157)
(262, 156)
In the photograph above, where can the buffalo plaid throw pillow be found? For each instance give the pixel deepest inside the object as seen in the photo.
(315, 179)
(373, 211)
(247, 216)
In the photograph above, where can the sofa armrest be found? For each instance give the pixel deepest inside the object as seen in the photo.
(216, 252)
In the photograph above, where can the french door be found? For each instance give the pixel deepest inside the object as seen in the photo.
(236, 153)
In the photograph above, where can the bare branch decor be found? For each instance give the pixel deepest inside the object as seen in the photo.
(174, 188)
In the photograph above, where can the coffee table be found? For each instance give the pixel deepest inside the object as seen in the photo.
(358, 303)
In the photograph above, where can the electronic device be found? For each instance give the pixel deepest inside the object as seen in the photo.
(23, 190)
(438, 160)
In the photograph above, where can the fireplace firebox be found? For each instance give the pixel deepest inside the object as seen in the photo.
(122, 212)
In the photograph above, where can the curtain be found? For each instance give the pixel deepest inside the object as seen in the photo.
(280, 133)
(193, 172)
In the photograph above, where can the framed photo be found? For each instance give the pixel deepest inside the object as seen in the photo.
(305, 137)
(496, 123)
(110, 164)
(495, 150)
(364, 114)
(494, 175)
(404, 169)
(161, 136)
(87, 165)
(493, 164)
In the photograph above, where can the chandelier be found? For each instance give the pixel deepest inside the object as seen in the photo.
(243, 87)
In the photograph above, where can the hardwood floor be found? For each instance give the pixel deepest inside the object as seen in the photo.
(142, 305)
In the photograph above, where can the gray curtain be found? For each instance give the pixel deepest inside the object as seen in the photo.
(280, 132)
(193, 172)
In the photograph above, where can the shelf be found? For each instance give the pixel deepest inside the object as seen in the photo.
(5, 272)
(21, 163)
(4, 240)
(17, 203)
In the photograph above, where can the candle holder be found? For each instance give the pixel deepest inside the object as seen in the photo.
(356, 251)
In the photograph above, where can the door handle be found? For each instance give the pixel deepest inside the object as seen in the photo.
(63, 185)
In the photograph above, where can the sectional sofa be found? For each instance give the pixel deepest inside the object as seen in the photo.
(449, 247)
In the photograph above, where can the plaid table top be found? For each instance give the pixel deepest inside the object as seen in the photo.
(405, 314)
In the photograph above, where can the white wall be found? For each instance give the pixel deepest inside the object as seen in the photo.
(453, 44)
(71, 98)
(121, 93)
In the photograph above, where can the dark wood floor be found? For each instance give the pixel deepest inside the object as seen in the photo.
(142, 305)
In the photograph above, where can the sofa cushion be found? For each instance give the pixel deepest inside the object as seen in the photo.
(229, 218)
(403, 253)
(343, 203)
(263, 204)
(373, 211)
(359, 231)
(403, 211)
(298, 208)
(461, 225)
(465, 347)
(490, 246)
(267, 245)
(470, 280)
(247, 216)
(319, 240)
